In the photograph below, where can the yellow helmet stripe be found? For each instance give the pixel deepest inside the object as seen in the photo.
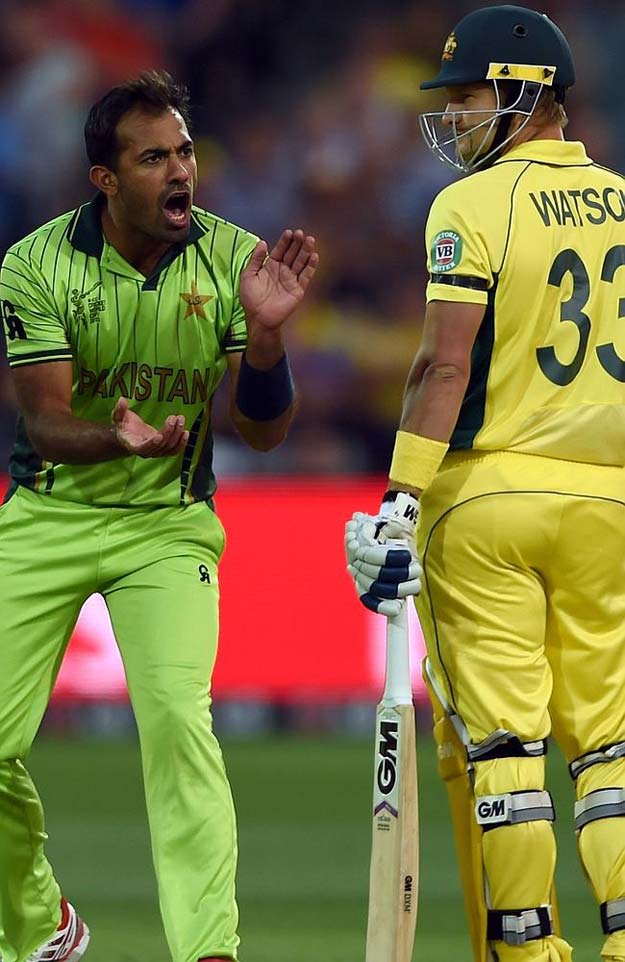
(521, 71)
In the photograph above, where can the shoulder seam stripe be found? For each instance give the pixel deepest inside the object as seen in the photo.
(609, 171)
(510, 213)
(35, 267)
(545, 163)
(23, 241)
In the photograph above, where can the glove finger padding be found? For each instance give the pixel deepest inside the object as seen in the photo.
(382, 554)
(390, 609)
(359, 532)
(393, 574)
(383, 589)
(382, 557)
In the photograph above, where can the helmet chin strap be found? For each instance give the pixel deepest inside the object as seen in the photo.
(521, 95)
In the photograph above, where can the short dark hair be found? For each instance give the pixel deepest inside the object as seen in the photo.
(153, 91)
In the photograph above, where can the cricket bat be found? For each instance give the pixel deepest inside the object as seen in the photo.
(394, 872)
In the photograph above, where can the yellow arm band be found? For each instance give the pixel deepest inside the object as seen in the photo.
(416, 459)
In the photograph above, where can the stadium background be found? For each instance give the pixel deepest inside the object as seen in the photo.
(304, 114)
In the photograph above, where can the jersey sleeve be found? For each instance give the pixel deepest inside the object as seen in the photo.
(235, 338)
(35, 332)
(457, 256)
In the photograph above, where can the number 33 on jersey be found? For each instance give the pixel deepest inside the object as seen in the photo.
(539, 239)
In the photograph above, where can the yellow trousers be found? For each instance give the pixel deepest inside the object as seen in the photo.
(523, 610)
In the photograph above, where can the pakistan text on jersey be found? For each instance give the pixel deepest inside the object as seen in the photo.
(576, 208)
(140, 381)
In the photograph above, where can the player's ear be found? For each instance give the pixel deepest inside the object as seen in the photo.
(104, 179)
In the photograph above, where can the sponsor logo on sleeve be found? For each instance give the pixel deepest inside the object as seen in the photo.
(12, 322)
(446, 251)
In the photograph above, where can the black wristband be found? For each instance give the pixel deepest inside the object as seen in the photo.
(264, 395)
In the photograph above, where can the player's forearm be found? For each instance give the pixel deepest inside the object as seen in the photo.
(264, 388)
(263, 435)
(60, 437)
(264, 347)
(432, 400)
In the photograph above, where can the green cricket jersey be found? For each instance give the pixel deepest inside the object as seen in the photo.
(66, 294)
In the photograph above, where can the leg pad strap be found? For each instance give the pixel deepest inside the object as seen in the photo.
(613, 916)
(607, 753)
(505, 744)
(603, 803)
(518, 926)
(493, 811)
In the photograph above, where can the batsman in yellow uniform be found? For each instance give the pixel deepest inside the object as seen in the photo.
(513, 439)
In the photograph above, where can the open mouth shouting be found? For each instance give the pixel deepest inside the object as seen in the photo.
(177, 208)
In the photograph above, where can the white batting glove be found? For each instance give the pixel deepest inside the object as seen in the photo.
(382, 557)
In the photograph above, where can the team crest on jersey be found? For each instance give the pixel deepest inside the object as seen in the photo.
(446, 251)
(195, 301)
(450, 47)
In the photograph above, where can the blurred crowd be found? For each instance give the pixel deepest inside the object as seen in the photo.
(304, 114)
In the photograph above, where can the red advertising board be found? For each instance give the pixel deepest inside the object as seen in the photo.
(291, 626)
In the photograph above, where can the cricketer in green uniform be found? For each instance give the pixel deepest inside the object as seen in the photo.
(122, 315)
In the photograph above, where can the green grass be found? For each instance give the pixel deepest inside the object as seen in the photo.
(303, 809)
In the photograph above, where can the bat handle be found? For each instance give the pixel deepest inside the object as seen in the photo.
(398, 684)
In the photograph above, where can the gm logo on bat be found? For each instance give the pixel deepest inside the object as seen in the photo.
(387, 751)
(408, 882)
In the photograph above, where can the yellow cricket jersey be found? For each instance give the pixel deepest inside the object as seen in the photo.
(539, 238)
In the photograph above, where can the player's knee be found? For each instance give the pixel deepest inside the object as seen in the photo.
(599, 776)
(8, 770)
(17, 791)
(511, 774)
(515, 814)
(599, 768)
(496, 790)
(175, 716)
(510, 791)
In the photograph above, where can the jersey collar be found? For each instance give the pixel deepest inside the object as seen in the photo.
(557, 153)
(85, 233)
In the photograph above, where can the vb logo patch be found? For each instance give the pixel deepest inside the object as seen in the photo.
(446, 251)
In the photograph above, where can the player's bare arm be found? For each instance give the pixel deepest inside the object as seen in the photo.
(44, 394)
(439, 376)
(434, 391)
(260, 435)
(271, 288)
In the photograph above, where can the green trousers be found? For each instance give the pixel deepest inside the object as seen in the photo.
(157, 571)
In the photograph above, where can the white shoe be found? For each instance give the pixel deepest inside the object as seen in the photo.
(69, 942)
